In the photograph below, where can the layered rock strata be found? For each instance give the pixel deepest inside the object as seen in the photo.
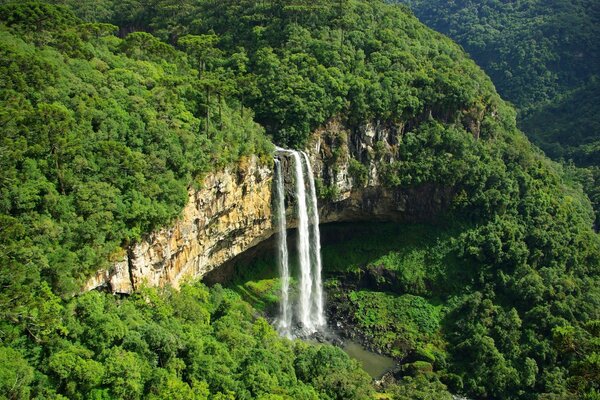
(230, 213)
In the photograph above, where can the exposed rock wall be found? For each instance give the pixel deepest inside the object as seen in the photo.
(350, 165)
(232, 211)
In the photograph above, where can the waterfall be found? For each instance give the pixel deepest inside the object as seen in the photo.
(315, 247)
(285, 313)
(304, 304)
(310, 304)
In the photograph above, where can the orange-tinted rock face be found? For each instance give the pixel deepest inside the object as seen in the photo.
(229, 214)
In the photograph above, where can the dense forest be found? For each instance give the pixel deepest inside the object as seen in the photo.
(545, 58)
(111, 110)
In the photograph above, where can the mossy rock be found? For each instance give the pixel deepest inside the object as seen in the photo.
(423, 354)
(418, 368)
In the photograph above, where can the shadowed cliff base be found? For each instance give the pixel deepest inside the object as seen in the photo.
(347, 249)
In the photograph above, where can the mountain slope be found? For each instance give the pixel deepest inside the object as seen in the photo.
(103, 134)
(542, 56)
(532, 50)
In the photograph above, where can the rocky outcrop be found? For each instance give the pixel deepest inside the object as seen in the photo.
(351, 168)
(231, 212)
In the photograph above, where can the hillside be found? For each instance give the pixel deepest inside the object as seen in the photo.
(544, 57)
(112, 110)
(534, 51)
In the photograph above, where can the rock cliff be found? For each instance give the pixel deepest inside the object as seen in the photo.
(350, 167)
(231, 212)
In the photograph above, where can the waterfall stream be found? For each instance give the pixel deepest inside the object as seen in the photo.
(304, 305)
(285, 313)
(315, 247)
(310, 304)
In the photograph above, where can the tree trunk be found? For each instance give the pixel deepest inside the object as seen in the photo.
(207, 109)
(220, 111)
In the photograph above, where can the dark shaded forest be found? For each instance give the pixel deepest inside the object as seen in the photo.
(544, 57)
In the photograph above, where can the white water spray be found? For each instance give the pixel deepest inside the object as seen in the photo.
(310, 304)
(285, 312)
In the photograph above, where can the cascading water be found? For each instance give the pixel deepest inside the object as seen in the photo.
(285, 312)
(310, 306)
(304, 305)
(315, 247)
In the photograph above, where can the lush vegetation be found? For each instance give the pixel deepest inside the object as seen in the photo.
(533, 50)
(101, 138)
(103, 134)
(568, 127)
(427, 296)
(193, 343)
(529, 263)
(544, 57)
(298, 63)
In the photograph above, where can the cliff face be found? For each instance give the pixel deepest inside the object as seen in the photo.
(229, 214)
(351, 168)
(232, 211)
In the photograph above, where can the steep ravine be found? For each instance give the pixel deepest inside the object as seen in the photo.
(231, 212)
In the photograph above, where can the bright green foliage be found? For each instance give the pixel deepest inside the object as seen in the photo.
(153, 346)
(481, 307)
(363, 60)
(419, 388)
(101, 138)
(15, 375)
(332, 372)
(298, 64)
(589, 179)
(103, 135)
(411, 270)
(358, 172)
(501, 331)
(398, 324)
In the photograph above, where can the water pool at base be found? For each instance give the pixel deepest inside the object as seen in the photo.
(375, 364)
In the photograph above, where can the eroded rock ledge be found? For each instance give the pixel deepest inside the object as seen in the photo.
(232, 211)
(229, 214)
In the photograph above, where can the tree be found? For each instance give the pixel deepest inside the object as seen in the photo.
(15, 374)
(203, 50)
